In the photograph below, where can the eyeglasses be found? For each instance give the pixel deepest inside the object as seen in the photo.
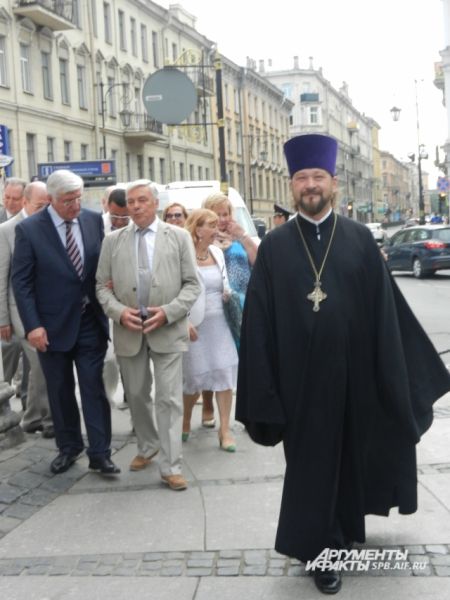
(174, 215)
(119, 217)
(70, 202)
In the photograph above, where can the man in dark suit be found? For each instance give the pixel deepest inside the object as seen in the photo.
(53, 276)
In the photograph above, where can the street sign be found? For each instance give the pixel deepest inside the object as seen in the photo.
(169, 96)
(95, 173)
(443, 184)
(4, 150)
(5, 160)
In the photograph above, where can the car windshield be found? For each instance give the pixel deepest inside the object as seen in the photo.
(244, 220)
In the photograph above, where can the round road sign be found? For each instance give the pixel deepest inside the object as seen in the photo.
(169, 96)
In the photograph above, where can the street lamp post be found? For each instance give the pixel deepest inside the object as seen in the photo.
(124, 114)
(421, 154)
(262, 154)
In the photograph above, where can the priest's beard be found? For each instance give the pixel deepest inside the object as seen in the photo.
(313, 202)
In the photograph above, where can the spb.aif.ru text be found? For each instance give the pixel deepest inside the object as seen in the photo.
(363, 560)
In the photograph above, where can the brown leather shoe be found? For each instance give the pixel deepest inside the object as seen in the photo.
(175, 482)
(141, 462)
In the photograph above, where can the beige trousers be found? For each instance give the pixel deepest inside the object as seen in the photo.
(37, 408)
(137, 381)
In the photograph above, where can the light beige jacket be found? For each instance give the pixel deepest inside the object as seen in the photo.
(9, 315)
(174, 286)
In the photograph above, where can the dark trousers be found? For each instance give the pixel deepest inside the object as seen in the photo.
(87, 356)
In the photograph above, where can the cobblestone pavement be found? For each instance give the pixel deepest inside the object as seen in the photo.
(26, 482)
(422, 561)
(27, 485)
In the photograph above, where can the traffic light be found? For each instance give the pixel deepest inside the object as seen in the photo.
(442, 202)
(350, 209)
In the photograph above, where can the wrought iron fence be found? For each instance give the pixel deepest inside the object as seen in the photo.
(62, 8)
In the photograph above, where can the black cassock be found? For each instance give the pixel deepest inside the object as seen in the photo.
(348, 389)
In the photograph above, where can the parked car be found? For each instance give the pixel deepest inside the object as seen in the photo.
(423, 249)
(378, 232)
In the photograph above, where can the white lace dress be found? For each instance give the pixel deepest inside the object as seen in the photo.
(211, 362)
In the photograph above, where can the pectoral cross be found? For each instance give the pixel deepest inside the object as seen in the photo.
(317, 295)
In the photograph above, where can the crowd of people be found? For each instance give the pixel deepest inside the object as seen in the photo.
(329, 360)
(113, 297)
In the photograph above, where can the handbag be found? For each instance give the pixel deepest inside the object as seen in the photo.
(233, 315)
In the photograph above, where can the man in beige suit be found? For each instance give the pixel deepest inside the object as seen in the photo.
(37, 415)
(147, 282)
(12, 205)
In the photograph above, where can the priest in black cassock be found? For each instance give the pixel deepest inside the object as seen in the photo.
(334, 364)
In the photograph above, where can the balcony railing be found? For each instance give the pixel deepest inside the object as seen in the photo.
(57, 15)
(205, 83)
(142, 122)
(142, 127)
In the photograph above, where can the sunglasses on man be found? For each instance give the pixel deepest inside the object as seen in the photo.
(119, 217)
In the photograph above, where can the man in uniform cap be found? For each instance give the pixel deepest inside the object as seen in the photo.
(280, 215)
(334, 364)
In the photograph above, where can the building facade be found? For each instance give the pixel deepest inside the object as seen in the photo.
(400, 188)
(256, 116)
(319, 107)
(71, 89)
(442, 81)
(71, 81)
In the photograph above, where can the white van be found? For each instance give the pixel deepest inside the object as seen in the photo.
(191, 195)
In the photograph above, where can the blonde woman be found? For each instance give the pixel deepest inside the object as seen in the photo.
(211, 362)
(239, 248)
(240, 251)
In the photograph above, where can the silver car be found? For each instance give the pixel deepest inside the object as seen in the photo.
(379, 234)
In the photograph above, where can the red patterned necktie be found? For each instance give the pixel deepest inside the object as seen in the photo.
(72, 250)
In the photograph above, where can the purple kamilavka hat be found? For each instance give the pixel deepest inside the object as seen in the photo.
(311, 151)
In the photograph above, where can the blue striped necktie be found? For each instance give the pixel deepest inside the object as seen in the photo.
(144, 271)
(72, 250)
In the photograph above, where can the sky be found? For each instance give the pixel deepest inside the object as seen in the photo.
(379, 48)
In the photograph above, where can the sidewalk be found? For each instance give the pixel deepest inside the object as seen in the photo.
(79, 535)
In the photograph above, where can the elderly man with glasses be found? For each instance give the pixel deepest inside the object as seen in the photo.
(53, 275)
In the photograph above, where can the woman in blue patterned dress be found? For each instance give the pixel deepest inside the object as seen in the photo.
(240, 251)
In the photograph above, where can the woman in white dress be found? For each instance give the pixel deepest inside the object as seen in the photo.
(211, 362)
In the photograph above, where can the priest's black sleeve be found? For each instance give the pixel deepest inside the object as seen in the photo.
(411, 374)
(258, 402)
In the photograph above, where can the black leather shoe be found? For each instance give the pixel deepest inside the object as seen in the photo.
(48, 432)
(104, 465)
(62, 462)
(33, 427)
(328, 582)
